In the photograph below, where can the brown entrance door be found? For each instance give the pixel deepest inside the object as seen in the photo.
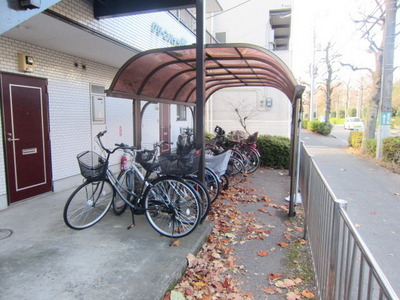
(26, 134)
(165, 127)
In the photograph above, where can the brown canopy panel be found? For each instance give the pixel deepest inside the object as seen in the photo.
(169, 74)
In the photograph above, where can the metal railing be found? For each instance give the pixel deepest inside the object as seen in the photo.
(186, 17)
(344, 267)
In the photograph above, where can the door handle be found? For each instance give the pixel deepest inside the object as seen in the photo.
(11, 139)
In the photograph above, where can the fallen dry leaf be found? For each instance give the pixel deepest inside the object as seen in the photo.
(274, 276)
(176, 243)
(293, 296)
(307, 294)
(262, 253)
(283, 244)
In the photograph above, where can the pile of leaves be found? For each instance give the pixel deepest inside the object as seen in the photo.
(214, 273)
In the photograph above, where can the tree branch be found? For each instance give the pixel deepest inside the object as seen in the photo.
(354, 68)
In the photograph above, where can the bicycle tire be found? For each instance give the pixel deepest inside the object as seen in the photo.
(88, 204)
(224, 182)
(254, 160)
(119, 205)
(212, 183)
(201, 189)
(132, 182)
(172, 207)
(235, 171)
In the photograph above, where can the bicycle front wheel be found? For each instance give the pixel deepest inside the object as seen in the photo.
(172, 207)
(212, 183)
(88, 204)
(235, 171)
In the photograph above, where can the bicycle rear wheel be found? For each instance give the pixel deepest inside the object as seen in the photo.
(201, 189)
(88, 204)
(235, 171)
(119, 205)
(172, 206)
(212, 183)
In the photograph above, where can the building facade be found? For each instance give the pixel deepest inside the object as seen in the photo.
(266, 24)
(58, 64)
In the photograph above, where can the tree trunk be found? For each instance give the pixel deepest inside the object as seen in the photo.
(373, 102)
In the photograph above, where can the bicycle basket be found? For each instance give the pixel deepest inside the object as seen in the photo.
(236, 136)
(93, 166)
(176, 164)
(144, 156)
(252, 139)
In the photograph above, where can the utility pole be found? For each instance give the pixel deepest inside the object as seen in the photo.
(385, 109)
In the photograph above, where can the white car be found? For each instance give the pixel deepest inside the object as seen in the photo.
(353, 123)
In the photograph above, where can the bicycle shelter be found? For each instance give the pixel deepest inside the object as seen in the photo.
(168, 75)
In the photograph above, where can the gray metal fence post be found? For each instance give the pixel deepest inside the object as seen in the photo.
(334, 253)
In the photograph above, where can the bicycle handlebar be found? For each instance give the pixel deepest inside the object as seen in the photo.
(119, 146)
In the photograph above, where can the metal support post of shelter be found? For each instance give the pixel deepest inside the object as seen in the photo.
(137, 124)
(200, 83)
(295, 151)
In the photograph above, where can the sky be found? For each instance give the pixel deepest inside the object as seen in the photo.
(331, 21)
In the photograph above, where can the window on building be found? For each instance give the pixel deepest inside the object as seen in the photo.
(181, 113)
(221, 37)
(98, 99)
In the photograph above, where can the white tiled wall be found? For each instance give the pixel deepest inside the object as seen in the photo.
(69, 104)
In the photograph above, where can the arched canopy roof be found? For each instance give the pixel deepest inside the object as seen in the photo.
(169, 74)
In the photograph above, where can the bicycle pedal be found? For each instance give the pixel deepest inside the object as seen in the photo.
(130, 226)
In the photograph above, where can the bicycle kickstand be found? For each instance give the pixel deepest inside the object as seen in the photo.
(133, 221)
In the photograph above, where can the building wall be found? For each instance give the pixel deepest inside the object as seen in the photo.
(254, 29)
(132, 30)
(71, 128)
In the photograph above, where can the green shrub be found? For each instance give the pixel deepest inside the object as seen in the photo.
(275, 151)
(208, 137)
(371, 146)
(342, 113)
(355, 139)
(324, 128)
(391, 149)
(312, 125)
(320, 127)
(304, 123)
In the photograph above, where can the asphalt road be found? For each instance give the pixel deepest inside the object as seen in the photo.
(372, 193)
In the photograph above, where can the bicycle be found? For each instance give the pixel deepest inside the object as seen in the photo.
(248, 147)
(243, 149)
(171, 205)
(183, 164)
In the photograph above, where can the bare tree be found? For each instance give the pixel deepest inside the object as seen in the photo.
(371, 27)
(330, 81)
(244, 110)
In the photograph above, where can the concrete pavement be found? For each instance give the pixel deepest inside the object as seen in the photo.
(44, 259)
